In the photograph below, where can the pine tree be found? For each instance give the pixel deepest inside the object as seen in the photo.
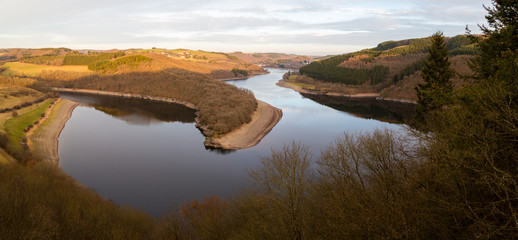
(437, 90)
(498, 46)
(475, 153)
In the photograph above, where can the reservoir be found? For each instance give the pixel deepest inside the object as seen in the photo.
(150, 156)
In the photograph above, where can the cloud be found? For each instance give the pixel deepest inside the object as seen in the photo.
(339, 26)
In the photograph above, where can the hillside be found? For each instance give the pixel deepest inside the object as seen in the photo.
(274, 60)
(34, 61)
(186, 75)
(21, 53)
(211, 64)
(392, 69)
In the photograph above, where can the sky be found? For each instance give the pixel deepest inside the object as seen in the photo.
(306, 27)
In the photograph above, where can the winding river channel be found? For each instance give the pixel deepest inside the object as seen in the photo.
(151, 156)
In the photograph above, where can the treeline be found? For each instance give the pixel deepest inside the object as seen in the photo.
(221, 107)
(418, 45)
(44, 60)
(407, 71)
(391, 44)
(329, 69)
(107, 65)
(83, 59)
(237, 72)
(323, 70)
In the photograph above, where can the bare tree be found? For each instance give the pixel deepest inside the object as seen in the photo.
(285, 179)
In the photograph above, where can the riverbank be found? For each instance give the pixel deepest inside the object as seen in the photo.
(285, 84)
(248, 135)
(45, 135)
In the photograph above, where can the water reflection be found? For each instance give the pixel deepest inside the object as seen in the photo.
(369, 108)
(151, 156)
(135, 111)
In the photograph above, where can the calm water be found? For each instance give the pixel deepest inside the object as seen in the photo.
(151, 156)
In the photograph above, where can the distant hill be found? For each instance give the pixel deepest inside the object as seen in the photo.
(20, 53)
(392, 68)
(212, 64)
(274, 60)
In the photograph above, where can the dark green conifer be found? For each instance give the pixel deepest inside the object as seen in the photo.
(437, 90)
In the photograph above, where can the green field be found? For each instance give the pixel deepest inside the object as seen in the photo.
(14, 127)
(16, 68)
(50, 117)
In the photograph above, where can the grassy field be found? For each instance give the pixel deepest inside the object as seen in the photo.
(14, 127)
(16, 68)
(50, 118)
(11, 96)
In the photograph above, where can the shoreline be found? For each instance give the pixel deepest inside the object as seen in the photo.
(247, 135)
(283, 83)
(264, 119)
(45, 138)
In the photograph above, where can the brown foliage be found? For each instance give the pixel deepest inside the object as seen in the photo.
(222, 107)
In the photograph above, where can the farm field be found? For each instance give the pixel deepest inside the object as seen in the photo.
(15, 95)
(17, 68)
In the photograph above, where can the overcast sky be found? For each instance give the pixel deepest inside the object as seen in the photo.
(314, 27)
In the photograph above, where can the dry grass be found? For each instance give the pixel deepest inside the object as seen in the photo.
(406, 87)
(27, 69)
(11, 96)
(16, 81)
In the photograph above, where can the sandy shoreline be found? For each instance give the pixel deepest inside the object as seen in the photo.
(285, 84)
(45, 140)
(248, 135)
(263, 120)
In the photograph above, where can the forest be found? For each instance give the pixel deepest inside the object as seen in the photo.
(220, 114)
(334, 70)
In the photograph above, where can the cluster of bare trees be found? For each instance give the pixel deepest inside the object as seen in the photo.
(221, 106)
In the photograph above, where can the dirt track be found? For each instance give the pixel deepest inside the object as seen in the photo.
(45, 140)
(250, 134)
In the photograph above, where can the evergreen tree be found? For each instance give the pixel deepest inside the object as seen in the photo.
(475, 145)
(437, 90)
(499, 44)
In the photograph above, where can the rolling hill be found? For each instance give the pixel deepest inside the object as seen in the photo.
(392, 69)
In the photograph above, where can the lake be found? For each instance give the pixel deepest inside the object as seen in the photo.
(150, 156)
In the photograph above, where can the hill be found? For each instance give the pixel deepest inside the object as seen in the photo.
(274, 60)
(220, 66)
(212, 64)
(182, 74)
(390, 70)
